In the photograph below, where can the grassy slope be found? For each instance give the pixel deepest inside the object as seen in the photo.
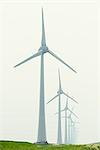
(4, 145)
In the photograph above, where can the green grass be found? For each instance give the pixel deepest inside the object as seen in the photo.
(7, 145)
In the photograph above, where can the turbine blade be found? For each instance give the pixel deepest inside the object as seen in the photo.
(63, 110)
(66, 108)
(53, 98)
(35, 55)
(73, 113)
(70, 97)
(61, 60)
(43, 41)
(59, 80)
(60, 111)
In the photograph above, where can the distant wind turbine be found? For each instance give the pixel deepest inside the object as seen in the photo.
(60, 91)
(66, 109)
(70, 126)
(73, 131)
(42, 50)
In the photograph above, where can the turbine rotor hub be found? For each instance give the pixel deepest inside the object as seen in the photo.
(60, 92)
(43, 48)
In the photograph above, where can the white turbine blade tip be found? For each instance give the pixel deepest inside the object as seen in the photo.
(61, 60)
(24, 61)
(48, 102)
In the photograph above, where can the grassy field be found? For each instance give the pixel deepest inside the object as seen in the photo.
(4, 145)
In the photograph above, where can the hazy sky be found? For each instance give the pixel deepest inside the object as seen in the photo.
(71, 32)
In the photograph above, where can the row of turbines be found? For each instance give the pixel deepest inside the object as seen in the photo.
(69, 123)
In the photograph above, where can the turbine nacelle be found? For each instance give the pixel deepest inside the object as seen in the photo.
(60, 92)
(43, 49)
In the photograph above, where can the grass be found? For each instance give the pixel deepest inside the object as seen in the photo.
(8, 145)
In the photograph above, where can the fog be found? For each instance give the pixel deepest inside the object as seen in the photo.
(71, 32)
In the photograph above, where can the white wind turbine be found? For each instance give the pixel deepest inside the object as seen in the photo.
(66, 109)
(73, 131)
(70, 126)
(59, 93)
(43, 50)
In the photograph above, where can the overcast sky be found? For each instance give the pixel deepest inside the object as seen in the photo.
(71, 32)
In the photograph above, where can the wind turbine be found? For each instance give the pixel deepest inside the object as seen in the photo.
(70, 126)
(73, 130)
(59, 93)
(66, 109)
(43, 50)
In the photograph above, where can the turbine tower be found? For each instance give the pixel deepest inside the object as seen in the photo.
(66, 109)
(42, 50)
(60, 91)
